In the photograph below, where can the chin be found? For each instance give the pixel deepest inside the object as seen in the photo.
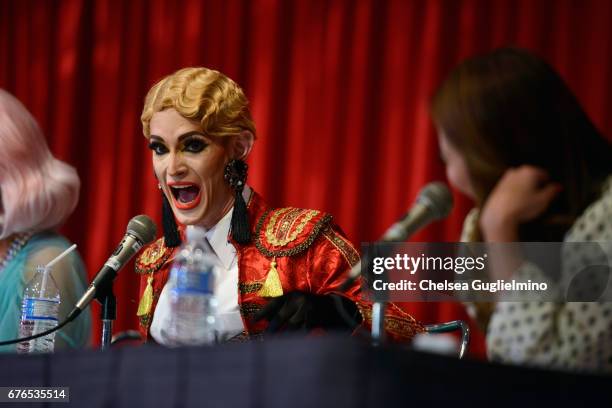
(184, 219)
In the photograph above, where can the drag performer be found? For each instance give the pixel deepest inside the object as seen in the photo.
(282, 267)
(37, 195)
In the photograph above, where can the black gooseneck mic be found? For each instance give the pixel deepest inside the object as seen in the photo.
(141, 230)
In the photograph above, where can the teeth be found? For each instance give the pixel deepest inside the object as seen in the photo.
(179, 187)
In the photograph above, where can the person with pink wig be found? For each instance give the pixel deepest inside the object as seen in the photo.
(37, 194)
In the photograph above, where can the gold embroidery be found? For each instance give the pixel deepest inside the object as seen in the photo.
(295, 250)
(249, 287)
(283, 239)
(406, 326)
(144, 320)
(152, 254)
(249, 309)
(153, 258)
(346, 249)
(287, 223)
(146, 301)
(272, 286)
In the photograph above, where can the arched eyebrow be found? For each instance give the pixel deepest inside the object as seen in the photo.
(181, 137)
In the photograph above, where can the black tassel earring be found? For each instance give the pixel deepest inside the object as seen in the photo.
(236, 175)
(172, 238)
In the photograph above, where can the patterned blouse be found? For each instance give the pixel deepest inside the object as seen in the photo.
(565, 335)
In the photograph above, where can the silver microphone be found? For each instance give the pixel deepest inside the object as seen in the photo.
(434, 202)
(141, 230)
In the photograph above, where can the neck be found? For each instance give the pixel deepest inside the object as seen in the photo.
(222, 209)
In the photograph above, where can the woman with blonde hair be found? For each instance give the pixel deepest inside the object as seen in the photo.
(283, 268)
(37, 194)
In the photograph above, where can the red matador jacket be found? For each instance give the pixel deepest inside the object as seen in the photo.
(292, 249)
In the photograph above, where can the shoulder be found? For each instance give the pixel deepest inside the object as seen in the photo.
(153, 257)
(289, 231)
(45, 246)
(48, 239)
(595, 223)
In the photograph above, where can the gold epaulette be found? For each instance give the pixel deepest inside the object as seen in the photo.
(288, 231)
(153, 257)
(150, 261)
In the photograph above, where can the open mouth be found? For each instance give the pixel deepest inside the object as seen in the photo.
(186, 195)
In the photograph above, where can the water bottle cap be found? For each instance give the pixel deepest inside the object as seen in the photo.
(195, 233)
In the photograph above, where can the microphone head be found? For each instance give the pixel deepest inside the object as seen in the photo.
(143, 228)
(437, 198)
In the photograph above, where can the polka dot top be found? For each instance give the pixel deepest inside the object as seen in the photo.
(571, 335)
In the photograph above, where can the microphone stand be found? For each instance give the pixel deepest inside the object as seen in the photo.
(108, 314)
(378, 306)
(433, 202)
(106, 297)
(378, 322)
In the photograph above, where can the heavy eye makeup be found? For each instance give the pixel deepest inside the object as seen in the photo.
(158, 147)
(194, 144)
(191, 144)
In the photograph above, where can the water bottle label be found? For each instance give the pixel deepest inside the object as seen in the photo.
(39, 309)
(187, 281)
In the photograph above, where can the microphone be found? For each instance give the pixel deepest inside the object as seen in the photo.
(141, 230)
(434, 202)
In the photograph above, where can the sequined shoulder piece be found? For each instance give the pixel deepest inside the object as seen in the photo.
(288, 231)
(153, 257)
(343, 245)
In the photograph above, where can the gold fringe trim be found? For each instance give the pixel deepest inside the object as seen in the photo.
(146, 301)
(272, 286)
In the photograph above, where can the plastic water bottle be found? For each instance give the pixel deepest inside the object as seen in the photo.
(39, 312)
(193, 304)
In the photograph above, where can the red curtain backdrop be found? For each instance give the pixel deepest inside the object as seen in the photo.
(339, 92)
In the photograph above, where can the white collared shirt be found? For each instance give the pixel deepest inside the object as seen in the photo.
(226, 286)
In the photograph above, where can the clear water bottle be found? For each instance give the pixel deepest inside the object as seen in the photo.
(193, 319)
(39, 312)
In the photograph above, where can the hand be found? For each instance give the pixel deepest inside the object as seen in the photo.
(305, 311)
(521, 195)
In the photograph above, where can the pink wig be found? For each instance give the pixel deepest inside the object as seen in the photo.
(37, 191)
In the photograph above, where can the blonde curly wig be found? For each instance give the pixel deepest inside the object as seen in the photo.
(203, 95)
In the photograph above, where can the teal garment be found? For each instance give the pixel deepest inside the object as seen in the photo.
(70, 276)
